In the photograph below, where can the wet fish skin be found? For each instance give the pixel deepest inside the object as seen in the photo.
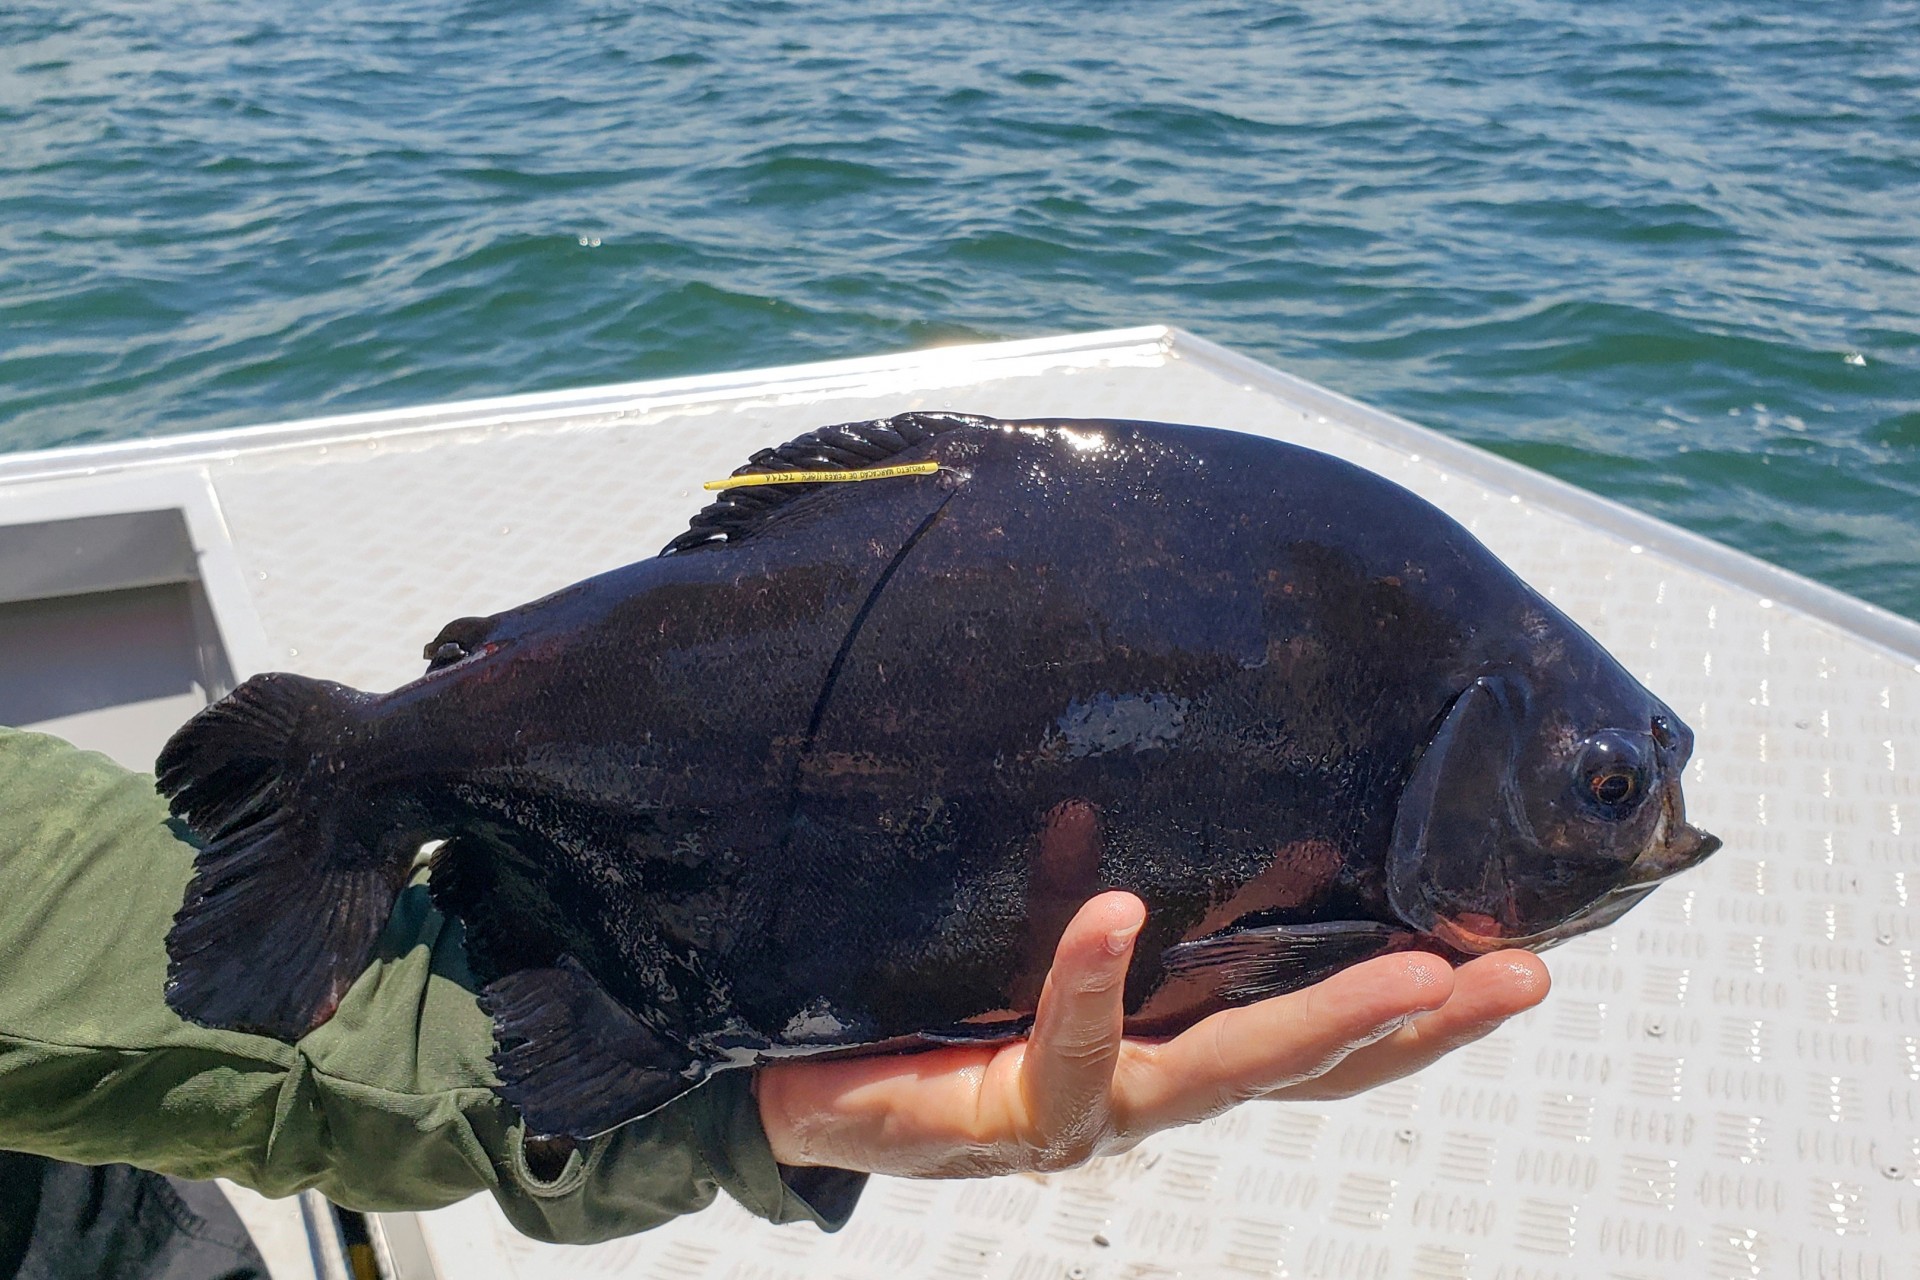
(840, 780)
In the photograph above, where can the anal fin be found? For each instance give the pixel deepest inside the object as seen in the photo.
(575, 1062)
(1269, 960)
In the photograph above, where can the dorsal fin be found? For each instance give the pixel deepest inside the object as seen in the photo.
(848, 447)
(456, 640)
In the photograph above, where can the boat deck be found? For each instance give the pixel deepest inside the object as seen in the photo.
(1726, 1083)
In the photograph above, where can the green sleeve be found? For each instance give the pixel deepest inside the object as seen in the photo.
(385, 1107)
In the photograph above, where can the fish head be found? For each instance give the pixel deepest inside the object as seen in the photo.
(1545, 803)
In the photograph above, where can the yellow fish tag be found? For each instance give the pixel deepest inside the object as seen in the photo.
(824, 477)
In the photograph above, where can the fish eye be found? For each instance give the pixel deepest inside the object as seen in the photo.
(1611, 776)
(1614, 787)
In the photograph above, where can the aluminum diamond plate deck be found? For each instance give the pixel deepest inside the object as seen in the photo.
(1724, 1084)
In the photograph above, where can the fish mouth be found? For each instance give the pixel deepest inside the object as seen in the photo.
(1676, 846)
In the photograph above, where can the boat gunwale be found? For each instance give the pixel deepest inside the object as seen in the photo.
(1896, 636)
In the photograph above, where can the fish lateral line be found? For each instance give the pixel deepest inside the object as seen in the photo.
(824, 477)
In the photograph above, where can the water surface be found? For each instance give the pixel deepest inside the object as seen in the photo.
(1668, 253)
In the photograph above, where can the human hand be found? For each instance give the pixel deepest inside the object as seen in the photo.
(1075, 1089)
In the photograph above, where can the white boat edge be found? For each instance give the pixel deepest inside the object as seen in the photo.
(958, 365)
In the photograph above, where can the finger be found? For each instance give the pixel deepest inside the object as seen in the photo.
(1246, 1053)
(1067, 1071)
(1487, 991)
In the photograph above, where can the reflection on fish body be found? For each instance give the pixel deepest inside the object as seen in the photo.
(832, 773)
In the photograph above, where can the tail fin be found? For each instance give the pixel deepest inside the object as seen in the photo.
(296, 879)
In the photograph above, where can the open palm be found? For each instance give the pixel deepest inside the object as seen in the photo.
(1076, 1089)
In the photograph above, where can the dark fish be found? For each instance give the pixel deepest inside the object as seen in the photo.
(835, 769)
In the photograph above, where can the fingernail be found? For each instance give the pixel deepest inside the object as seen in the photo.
(1120, 939)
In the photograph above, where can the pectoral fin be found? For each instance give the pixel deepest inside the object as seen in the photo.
(574, 1061)
(1270, 960)
(965, 1033)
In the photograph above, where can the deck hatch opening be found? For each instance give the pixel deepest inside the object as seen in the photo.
(106, 635)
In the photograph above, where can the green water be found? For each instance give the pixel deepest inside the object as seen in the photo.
(1671, 253)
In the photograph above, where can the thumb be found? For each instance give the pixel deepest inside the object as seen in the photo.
(1067, 1072)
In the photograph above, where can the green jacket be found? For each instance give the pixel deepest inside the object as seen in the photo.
(385, 1107)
